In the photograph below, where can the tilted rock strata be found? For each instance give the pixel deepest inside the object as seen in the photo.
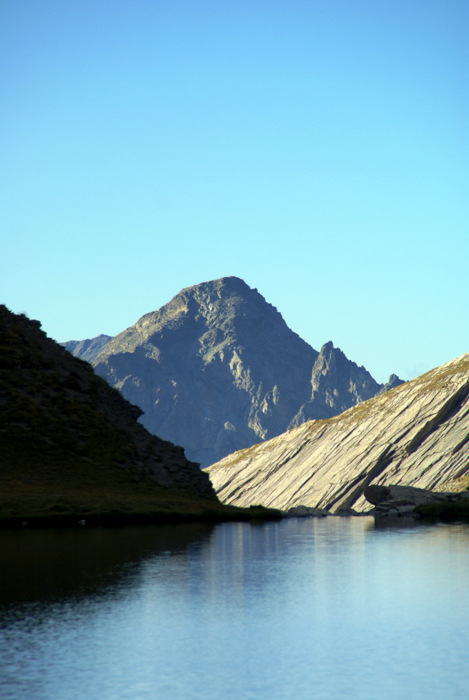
(217, 369)
(417, 434)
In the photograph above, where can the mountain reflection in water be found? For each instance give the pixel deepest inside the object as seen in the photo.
(46, 565)
(299, 608)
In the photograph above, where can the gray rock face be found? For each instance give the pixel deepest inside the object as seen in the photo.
(336, 385)
(217, 369)
(416, 435)
(87, 349)
(400, 501)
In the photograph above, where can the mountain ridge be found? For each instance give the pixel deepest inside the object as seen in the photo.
(217, 368)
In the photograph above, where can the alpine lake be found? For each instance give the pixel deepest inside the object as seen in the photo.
(301, 608)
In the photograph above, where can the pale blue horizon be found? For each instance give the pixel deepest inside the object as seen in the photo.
(319, 151)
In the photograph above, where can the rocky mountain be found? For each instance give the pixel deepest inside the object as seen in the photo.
(70, 443)
(217, 369)
(87, 349)
(415, 435)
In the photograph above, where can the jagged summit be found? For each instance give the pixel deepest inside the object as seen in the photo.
(337, 383)
(226, 304)
(217, 369)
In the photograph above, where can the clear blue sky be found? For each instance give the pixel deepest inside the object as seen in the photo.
(318, 149)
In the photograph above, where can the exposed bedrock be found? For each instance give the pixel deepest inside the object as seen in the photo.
(416, 435)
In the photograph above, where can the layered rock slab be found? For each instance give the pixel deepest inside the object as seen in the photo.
(417, 435)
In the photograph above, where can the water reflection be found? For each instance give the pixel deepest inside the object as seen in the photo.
(236, 611)
(47, 565)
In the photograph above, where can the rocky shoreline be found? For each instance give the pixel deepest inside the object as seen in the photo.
(411, 502)
(397, 502)
(205, 513)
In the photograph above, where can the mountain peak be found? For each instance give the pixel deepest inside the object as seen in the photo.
(327, 348)
(220, 287)
(217, 365)
(217, 369)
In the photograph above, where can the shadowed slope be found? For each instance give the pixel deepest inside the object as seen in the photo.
(71, 447)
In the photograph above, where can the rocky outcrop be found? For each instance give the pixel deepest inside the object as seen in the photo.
(392, 382)
(217, 369)
(336, 385)
(416, 435)
(404, 501)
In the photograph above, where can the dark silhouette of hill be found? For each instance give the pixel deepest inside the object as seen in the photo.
(71, 446)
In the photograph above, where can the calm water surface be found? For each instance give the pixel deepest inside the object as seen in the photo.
(305, 608)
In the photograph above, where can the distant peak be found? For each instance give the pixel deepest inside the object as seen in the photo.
(232, 279)
(231, 282)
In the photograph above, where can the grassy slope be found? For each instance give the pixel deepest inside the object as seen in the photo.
(41, 486)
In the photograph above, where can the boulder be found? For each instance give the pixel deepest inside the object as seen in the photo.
(306, 512)
(401, 501)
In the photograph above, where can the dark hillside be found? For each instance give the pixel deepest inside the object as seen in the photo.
(71, 447)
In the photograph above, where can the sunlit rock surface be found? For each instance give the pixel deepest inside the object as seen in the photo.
(417, 434)
(398, 501)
